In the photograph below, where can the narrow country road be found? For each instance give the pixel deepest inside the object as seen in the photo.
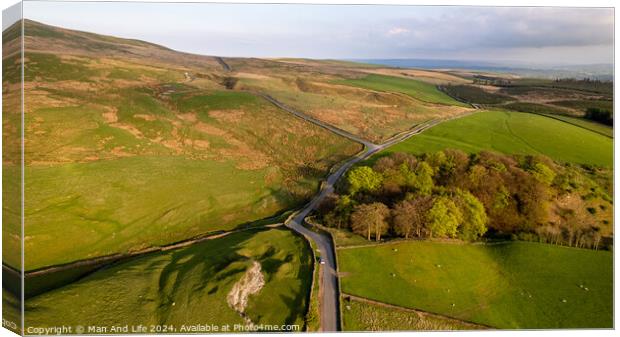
(329, 301)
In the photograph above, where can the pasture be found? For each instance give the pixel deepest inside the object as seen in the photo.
(188, 286)
(417, 89)
(512, 285)
(107, 207)
(364, 316)
(587, 124)
(514, 133)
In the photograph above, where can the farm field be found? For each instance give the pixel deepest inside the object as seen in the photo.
(514, 133)
(187, 286)
(363, 316)
(509, 285)
(417, 89)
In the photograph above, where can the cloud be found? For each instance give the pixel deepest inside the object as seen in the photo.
(535, 34)
(468, 28)
(397, 31)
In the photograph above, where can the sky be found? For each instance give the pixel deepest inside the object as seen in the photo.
(509, 35)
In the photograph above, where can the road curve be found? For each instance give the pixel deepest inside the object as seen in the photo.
(329, 291)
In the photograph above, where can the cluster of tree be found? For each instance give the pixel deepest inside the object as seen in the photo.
(600, 115)
(452, 194)
(587, 84)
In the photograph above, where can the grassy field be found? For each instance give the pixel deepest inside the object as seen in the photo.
(510, 285)
(537, 108)
(514, 133)
(187, 286)
(420, 90)
(362, 316)
(114, 206)
(587, 124)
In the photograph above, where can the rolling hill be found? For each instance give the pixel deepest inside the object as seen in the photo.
(129, 144)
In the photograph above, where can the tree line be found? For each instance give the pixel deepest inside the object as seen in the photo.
(600, 115)
(450, 194)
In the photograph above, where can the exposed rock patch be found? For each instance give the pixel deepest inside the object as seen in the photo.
(250, 283)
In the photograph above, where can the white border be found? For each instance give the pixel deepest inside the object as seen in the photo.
(504, 3)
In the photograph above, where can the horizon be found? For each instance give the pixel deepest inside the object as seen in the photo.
(568, 36)
(465, 64)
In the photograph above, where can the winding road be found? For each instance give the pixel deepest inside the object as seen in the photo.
(329, 291)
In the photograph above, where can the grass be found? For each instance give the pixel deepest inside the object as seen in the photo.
(112, 206)
(587, 124)
(11, 311)
(217, 100)
(514, 133)
(51, 68)
(512, 285)
(313, 316)
(187, 286)
(362, 316)
(536, 108)
(344, 238)
(419, 90)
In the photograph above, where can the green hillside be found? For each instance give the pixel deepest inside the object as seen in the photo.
(515, 133)
(123, 153)
(187, 286)
(417, 89)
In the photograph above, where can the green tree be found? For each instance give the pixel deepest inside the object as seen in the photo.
(543, 173)
(443, 218)
(340, 215)
(423, 179)
(436, 159)
(502, 198)
(367, 219)
(364, 179)
(475, 218)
